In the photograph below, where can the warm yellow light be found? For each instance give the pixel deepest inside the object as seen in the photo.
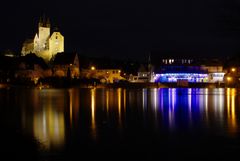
(93, 68)
(233, 69)
(70, 64)
(119, 71)
(229, 78)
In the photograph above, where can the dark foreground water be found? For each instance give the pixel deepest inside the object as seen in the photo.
(120, 124)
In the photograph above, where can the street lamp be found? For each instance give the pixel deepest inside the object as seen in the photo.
(233, 69)
(93, 68)
(228, 80)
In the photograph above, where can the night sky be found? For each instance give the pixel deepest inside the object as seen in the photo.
(129, 29)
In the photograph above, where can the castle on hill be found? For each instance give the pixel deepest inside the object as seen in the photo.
(44, 44)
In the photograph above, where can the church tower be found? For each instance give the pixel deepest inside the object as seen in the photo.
(44, 44)
(41, 41)
(150, 69)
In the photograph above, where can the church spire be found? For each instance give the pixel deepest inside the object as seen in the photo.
(44, 22)
(40, 23)
(48, 24)
(150, 68)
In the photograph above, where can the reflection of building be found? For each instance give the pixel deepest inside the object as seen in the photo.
(66, 64)
(105, 75)
(49, 127)
(44, 44)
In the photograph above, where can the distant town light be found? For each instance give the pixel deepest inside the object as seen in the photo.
(233, 69)
(93, 68)
(229, 78)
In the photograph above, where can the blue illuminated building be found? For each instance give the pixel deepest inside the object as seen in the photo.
(175, 73)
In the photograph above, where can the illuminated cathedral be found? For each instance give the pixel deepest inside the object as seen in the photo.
(44, 44)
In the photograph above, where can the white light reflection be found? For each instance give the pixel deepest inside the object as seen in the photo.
(173, 98)
(155, 99)
(190, 105)
(171, 107)
(201, 101)
(221, 104)
(206, 104)
(144, 98)
(154, 103)
(162, 101)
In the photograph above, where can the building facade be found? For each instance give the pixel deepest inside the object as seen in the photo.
(104, 75)
(66, 65)
(44, 44)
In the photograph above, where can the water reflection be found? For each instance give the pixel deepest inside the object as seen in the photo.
(93, 106)
(231, 115)
(74, 103)
(119, 107)
(49, 114)
(190, 105)
(176, 106)
(48, 121)
(144, 98)
(107, 101)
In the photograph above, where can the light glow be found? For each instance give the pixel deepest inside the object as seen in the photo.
(174, 77)
(93, 68)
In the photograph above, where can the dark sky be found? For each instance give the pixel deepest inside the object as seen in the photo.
(129, 28)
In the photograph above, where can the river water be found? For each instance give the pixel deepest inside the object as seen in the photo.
(126, 124)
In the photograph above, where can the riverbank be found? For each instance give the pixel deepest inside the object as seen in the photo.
(118, 85)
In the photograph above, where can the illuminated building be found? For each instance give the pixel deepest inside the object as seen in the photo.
(66, 64)
(176, 73)
(215, 73)
(174, 77)
(105, 75)
(194, 74)
(44, 44)
(145, 74)
(31, 68)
